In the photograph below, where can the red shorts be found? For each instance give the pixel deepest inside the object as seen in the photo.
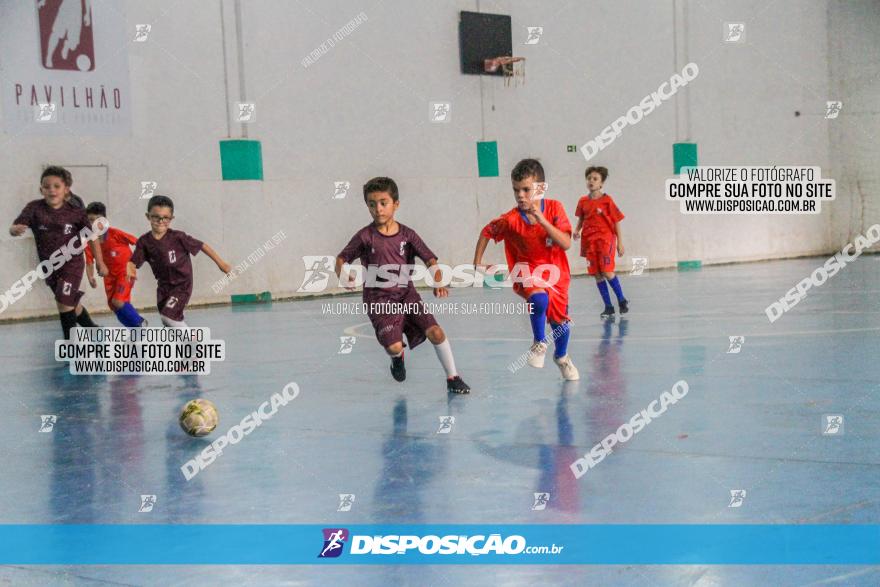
(117, 287)
(390, 327)
(599, 255)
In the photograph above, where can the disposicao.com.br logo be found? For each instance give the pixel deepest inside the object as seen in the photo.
(334, 540)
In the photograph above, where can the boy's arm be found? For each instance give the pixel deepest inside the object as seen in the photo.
(347, 279)
(22, 223)
(577, 230)
(563, 239)
(221, 264)
(439, 292)
(619, 239)
(482, 243)
(90, 274)
(99, 257)
(131, 271)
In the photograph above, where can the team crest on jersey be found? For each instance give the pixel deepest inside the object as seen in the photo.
(68, 228)
(402, 245)
(172, 256)
(548, 241)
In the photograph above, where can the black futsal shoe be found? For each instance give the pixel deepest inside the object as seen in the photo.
(607, 313)
(624, 306)
(398, 369)
(456, 385)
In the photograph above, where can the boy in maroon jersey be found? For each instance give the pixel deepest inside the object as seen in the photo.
(386, 243)
(168, 253)
(55, 222)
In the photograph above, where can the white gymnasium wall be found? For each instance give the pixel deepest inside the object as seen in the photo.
(362, 110)
(854, 64)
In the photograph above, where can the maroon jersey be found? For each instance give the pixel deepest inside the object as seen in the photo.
(54, 228)
(169, 257)
(375, 249)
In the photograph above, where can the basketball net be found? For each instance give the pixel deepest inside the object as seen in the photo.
(513, 69)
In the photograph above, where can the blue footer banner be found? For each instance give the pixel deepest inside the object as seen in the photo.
(246, 544)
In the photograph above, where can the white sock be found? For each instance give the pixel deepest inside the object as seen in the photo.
(444, 353)
(172, 323)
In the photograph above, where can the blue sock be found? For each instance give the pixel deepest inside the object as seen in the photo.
(129, 316)
(538, 316)
(561, 332)
(618, 291)
(603, 289)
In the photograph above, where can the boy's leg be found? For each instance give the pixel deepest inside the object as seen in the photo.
(538, 313)
(119, 294)
(454, 383)
(398, 367)
(618, 291)
(595, 263)
(606, 296)
(67, 315)
(389, 333)
(65, 285)
(561, 333)
(171, 305)
(443, 349)
(540, 302)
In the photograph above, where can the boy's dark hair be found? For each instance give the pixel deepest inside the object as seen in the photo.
(381, 184)
(56, 171)
(527, 168)
(603, 171)
(160, 201)
(97, 208)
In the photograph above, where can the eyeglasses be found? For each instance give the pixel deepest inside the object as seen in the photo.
(162, 219)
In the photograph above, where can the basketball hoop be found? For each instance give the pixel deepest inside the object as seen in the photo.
(513, 69)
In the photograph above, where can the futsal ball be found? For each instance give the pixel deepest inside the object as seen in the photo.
(199, 417)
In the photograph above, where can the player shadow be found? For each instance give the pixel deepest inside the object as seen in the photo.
(409, 464)
(182, 500)
(555, 457)
(123, 435)
(606, 388)
(74, 475)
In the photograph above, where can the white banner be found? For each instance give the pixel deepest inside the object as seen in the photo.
(64, 67)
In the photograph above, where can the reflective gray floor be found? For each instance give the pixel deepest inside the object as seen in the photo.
(751, 420)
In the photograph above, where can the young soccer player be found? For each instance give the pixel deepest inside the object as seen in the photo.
(116, 250)
(54, 222)
(168, 253)
(599, 230)
(537, 232)
(386, 243)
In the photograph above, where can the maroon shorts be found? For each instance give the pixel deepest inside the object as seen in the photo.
(64, 283)
(414, 320)
(172, 302)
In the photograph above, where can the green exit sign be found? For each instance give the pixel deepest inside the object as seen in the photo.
(572, 148)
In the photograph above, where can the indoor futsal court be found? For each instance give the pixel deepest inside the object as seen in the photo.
(405, 293)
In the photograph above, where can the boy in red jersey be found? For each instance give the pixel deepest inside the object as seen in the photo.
(56, 223)
(387, 243)
(116, 249)
(599, 230)
(537, 232)
(168, 253)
